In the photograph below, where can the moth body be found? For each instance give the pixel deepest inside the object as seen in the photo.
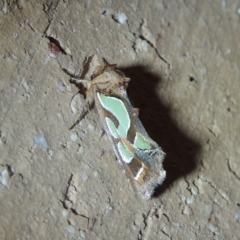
(138, 154)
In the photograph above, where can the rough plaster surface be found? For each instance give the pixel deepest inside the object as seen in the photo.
(183, 59)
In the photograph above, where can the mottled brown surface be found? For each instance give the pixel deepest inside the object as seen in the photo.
(183, 59)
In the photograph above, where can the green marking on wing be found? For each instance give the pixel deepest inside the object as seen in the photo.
(127, 156)
(141, 143)
(117, 108)
(112, 128)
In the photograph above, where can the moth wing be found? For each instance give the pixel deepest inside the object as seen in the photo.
(146, 178)
(145, 169)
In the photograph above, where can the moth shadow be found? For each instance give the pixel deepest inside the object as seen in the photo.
(181, 151)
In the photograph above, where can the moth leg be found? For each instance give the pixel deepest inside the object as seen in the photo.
(86, 108)
(77, 81)
(82, 115)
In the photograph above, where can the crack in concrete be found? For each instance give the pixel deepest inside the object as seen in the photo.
(142, 37)
(231, 170)
(224, 197)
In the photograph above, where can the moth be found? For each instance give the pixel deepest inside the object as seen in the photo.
(137, 153)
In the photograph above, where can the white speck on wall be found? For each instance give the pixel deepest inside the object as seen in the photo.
(65, 213)
(238, 11)
(190, 200)
(50, 152)
(121, 18)
(82, 234)
(91, 127)
(237, 216)
(41, 141)
(4, 177)
(223, 2)
(46, 60)
(144, 45)
(70, 229)
(74, 137)
(108, 208)
(208, 209)
(13, 89)
(186, 210)
(229, 50)
(183, 198)
(84, 177)
(25, 87)
(213, 229)
(180, 43)
(80, 150)
(194, 190)
(203, 71)
(160, 6)
(95, 174)
(60, 85)
(5, 7)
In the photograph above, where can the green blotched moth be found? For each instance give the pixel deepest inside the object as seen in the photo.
(139, 155)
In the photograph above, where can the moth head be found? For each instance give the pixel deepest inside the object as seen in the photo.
(103, 68)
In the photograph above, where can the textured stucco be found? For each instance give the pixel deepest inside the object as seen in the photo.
(183, 59)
